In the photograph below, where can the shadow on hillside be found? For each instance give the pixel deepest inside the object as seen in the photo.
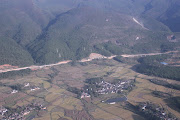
(134, 68)
(173, 103)
(137, 117)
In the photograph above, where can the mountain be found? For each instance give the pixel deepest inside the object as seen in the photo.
(74, 34)
(51, 31)
(56, 7)
(20, 23)
(165, 11)
(21, 20)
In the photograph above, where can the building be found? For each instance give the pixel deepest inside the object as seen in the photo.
(85, 95)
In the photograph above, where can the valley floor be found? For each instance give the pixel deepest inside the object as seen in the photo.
(48, 90)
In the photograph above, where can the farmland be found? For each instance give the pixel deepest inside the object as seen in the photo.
(48, 89)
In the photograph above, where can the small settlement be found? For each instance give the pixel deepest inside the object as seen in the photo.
(153, 111)
(27, 86)
(172, 38)
(109, 88)
(85, 95)
(20, 112)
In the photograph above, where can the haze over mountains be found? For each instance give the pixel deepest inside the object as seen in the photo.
(44, 31)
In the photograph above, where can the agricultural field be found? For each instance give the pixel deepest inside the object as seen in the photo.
(46, 93)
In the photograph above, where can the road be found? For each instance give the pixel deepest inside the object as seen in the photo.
(149, 54)
(35, 67)
(95, 56)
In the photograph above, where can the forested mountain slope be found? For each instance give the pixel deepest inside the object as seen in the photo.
(74, 34)
(20, 23)
(12, 53)
(50, 31)
(21, 20)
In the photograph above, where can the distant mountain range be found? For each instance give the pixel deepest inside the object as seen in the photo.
(48, 31)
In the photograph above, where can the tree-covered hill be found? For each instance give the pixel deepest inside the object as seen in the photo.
(73, 35)
(21, 20)
(165, 11)
(12, 53)
(50, 31)
(152, 65)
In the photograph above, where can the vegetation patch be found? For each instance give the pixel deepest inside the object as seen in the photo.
(13, 74)
(154, 65)
(174, 103)
(151, 111)
(165, 83)
(161, 94)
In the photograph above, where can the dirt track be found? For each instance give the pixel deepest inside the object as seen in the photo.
(149, 54)
(35, 67)
(90, 58)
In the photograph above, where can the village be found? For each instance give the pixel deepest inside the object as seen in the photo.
(19, 113)
(104, 87)
(107, 88)
(26, 86)
(154, 111)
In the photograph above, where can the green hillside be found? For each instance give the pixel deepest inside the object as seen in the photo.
(51, 31)
(21, 20)
(12, 53)
(165, 11)
(76, 33)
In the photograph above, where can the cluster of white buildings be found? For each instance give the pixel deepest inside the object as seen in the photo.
(85, 95)
(107, 88)
(3, 110)
(156, 110)
(19, 115)
(26, 85)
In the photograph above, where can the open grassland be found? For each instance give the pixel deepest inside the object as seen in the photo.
(115, 110)
(101, 114)
(56, 115)
(47, 116)
(68, 102)
(54, 95)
